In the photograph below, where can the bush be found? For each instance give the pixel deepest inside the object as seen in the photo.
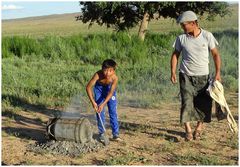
(143, 67)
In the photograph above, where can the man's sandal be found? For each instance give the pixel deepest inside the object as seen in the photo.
(189, 136)
(197, 135)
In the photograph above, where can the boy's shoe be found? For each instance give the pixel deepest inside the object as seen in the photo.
(103, 139)
(117, 138)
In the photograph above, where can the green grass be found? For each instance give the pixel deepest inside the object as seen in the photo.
(126, 159)
(41, 67)
(51, 70)
(47, 65)
(232, 141)
(196, 159)
(166, 147)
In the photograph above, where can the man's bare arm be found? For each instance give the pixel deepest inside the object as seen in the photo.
(174, 62)
(217, 62)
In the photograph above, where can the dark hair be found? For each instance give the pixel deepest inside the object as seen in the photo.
(196, 21)
(109, 63)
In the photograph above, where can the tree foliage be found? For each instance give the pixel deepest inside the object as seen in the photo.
(126, 15)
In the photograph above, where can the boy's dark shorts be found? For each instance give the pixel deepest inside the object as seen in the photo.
(196, 103)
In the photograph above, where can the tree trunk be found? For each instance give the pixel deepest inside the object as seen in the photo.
(143, 26)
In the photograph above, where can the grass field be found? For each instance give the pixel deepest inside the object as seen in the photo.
(53, 69)
(48, 60)
(65, 25)
(49, 63)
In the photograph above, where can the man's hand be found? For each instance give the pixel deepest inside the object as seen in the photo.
(217, 77)
(174, 78)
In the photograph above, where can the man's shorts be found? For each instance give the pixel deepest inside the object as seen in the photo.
(196, 103)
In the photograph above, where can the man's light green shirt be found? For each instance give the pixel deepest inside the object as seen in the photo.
(195, 52)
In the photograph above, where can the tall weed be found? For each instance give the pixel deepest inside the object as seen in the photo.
(50, 70)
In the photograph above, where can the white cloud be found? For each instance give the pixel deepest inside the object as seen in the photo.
(11, 7)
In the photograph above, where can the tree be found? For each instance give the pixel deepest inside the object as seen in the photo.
(125, 15)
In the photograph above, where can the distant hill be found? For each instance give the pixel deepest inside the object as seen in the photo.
(66, 24)
(46, 17)
(59, 24)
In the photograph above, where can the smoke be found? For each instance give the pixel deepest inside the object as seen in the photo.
(79, 107)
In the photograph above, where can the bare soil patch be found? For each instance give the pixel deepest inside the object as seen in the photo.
(151, 137)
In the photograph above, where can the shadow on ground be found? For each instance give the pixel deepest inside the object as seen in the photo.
(26, 106)
(170, 135)
(28, 132)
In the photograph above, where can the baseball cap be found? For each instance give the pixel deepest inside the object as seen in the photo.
(187, 16)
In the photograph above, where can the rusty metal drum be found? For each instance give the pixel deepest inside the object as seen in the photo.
(78, 130)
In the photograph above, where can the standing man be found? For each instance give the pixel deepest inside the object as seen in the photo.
(194, 45)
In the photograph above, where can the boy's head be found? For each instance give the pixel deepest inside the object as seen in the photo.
(109, 63)
(108, 67)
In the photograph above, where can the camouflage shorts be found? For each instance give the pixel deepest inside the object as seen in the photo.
(196, 103)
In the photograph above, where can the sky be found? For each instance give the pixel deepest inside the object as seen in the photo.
(21, 9)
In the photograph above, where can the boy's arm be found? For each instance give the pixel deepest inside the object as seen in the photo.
(109, 96)
(89, 90)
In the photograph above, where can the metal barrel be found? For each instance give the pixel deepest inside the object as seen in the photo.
(78, 130)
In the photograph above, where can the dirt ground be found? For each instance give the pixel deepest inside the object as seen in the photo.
(151, 137)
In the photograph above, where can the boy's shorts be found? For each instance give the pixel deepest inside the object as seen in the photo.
(196, 103)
